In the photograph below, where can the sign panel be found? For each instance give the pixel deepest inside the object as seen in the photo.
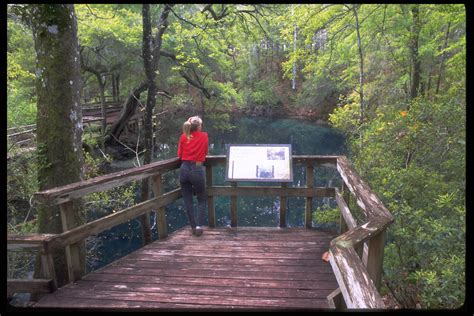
(264, 163)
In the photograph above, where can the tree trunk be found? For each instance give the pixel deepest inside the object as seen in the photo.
(295, 34)
(415, 59)
(103, 106)
(117, 86)
(114, 89)
(151, 57)
(59, 116)
(150, 104)
(443, 58)
(428, 88)
(203, 105)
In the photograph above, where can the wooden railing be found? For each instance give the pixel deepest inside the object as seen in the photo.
(353, 275)
(36, 243)
(356, 256)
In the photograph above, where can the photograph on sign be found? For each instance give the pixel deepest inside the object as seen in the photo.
(259, 163)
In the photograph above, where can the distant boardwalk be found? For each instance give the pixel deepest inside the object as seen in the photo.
(243, 268)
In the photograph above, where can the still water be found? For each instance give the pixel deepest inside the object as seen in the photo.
(305, 139)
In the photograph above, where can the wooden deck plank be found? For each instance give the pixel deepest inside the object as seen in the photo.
(176, 288)
(92, 304)
(229, 282)
(194, 298)
(228, 265)
(218, 274)
(243, 268)
(248, 254)
(211, 259)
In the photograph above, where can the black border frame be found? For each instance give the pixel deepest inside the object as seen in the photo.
(290, 160)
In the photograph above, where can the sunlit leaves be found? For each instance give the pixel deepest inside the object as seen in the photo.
(21, 105)
(99, 22)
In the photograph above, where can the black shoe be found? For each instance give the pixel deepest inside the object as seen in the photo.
(197, 231)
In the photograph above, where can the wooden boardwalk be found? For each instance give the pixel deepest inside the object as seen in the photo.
(243, 268)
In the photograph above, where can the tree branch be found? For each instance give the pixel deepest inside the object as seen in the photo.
(162, 25)
(194, 82)
(186, 21)
(215, 16)
(98, 17)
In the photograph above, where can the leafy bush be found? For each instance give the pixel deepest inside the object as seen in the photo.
(326, 214)
(415, 161)
(263, 93)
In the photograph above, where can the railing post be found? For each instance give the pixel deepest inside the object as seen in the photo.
(48, 265)
(233, 207)
(157, 182)
(75, 262)
(145, 218)
(362, 248)
(375, 258)
(283, 207)
(308, 219)
(336, 300)
(210, 199)
(346, 197)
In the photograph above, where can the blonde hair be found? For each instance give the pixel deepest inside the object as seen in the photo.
(191, 125)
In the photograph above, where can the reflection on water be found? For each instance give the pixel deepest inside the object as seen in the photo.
(305, 139)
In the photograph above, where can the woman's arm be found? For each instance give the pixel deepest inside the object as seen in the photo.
(180, 147)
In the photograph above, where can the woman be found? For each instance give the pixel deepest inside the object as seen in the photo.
(192, 149)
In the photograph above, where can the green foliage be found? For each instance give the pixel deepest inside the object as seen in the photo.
(102, 22)
(346, 117)
(102, 203)
(226, 94)
(263, 93)
(417, 167)
(22, 183)
(326, 214)
(21, 101)
(412, 153)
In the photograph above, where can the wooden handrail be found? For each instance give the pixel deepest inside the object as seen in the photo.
(34, 242)
(365, 198)
(316, 160)
(354, 281)
(359, 278)
(361, 233)
(76, 190)
(99, 225)
(29, 241)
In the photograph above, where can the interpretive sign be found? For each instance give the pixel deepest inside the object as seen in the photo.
(263, 163)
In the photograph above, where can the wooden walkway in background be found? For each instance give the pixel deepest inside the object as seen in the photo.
(243, 268)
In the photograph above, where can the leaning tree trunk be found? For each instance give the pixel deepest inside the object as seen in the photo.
(59, 118)
(128, 109)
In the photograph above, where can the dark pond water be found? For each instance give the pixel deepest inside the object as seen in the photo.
(305, 139)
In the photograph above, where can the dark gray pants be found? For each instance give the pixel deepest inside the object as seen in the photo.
(193, 179)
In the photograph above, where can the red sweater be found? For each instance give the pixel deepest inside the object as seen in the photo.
(195, 149)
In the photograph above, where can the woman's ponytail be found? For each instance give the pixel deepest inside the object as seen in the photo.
(187, 129)
(191, 125)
